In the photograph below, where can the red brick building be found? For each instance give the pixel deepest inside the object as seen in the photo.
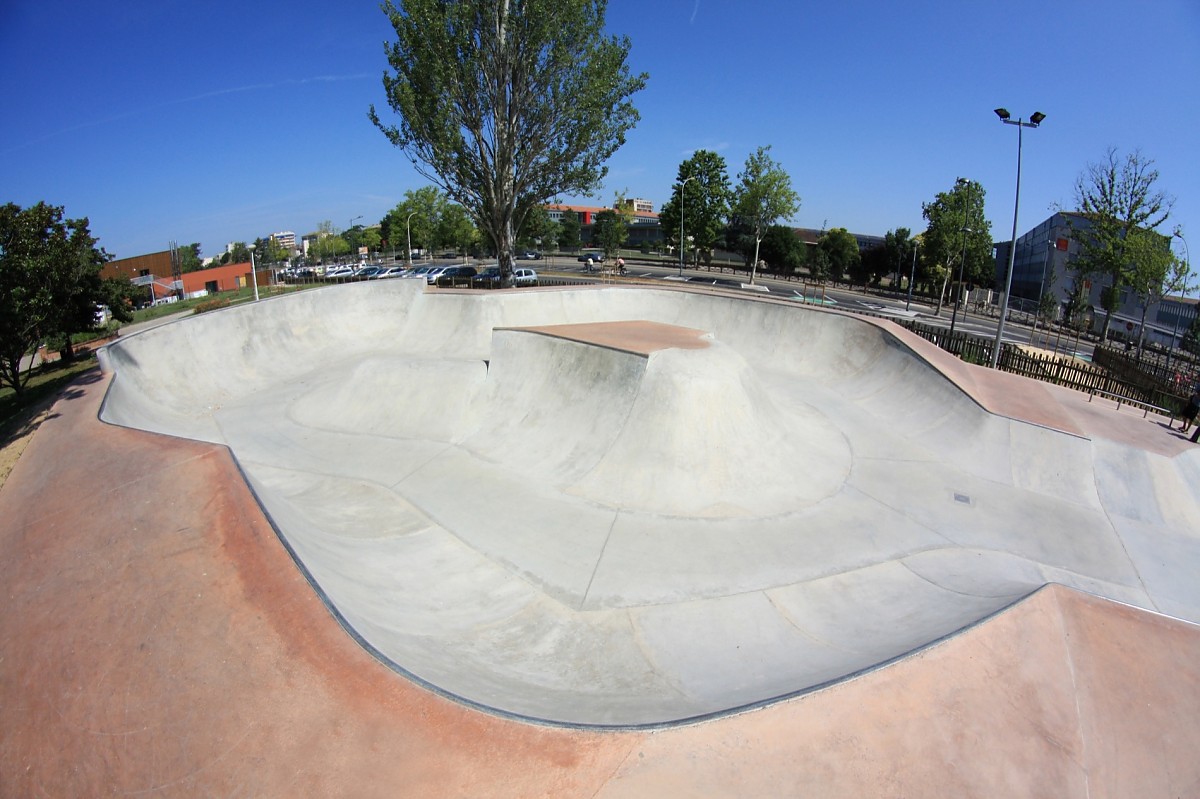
(155, 271)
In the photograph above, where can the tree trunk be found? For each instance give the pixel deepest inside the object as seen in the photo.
(942, 295)
(754, 266)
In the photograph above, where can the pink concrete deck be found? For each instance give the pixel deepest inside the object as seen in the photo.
(1048, 405)
(157, 640)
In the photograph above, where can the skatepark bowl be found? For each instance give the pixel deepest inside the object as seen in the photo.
(614, 506)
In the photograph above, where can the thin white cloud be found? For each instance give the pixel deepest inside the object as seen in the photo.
(179, 100)
(271, 86)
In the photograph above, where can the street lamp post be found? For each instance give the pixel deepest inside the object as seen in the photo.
(253, 272)
(1041, 291)
(408, 239)
(1034, 121)
(966, 184)
(348, 229)
(682, 242)
(912, 274)
(1187, 259)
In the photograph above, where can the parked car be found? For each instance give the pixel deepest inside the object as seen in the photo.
(390, 271)
(596, 256)
(529, 255)
(419, 271)
(369, 272)
(432, 273)
(456, 275)
(488, 278)
(339, 271)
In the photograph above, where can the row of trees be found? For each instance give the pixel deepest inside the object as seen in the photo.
(705, 211)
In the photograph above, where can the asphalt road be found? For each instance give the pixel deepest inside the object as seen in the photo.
(983, 325)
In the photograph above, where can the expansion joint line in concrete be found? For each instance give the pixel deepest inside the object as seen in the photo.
(903, 513)
(1069, 654)
(806, 633)
(904, 562)
(156, 474)
(1116, 531)
(599, 559)
(1132, 563)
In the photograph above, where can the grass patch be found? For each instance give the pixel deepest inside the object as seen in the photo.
(225, 298)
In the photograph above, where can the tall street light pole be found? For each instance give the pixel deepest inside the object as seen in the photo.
(1037, 314)
(912, 274)
(253, 272)
(1187, 260)
(682, 241)
(408, 238)
(348, 229)
(966, 185)
(1034, 121)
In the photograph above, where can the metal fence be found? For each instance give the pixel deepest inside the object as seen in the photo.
(1111, 374)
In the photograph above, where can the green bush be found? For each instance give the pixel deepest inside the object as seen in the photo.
(210, 305)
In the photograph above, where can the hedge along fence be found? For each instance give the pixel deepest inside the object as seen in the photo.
(1179, 378)
(1166, 388)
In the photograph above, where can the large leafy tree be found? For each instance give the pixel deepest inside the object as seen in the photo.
(898, 247)
(240, 253)
(269, 251)
(455, 229)
(189, 258)
(539, 229)
(842, 250)
(819, 266)
(415, 219)
(610, 231)
(702, 194)
(1122, 206)
(569, 231)
(50, 284)
(326, 245)
(763, 196)
(782, 250)
(872, 262)
(507, 103)
(957, 228)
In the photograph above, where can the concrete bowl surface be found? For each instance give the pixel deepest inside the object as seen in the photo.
(624, 507)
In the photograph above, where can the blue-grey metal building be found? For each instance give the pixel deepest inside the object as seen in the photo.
(1045, 262)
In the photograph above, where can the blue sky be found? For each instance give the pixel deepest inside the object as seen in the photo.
(214, 122)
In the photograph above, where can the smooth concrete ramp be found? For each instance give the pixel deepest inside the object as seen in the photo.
(744, 501)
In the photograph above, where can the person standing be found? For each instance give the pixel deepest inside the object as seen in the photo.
(1190, 410)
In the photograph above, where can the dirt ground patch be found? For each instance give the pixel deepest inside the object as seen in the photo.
(1047, 353)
